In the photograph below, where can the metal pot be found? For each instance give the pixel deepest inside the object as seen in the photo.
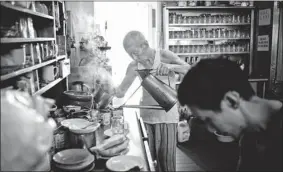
(80, 86)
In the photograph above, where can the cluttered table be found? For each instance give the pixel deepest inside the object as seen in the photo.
(137, 146)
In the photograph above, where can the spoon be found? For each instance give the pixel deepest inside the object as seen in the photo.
(88, 125)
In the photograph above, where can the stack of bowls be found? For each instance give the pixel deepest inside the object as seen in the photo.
(75, 160)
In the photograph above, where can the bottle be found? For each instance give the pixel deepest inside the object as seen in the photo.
(248, 19)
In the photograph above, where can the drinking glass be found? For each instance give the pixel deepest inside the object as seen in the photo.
(117, 125)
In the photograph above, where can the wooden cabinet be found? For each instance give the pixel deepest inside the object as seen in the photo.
(33, 43)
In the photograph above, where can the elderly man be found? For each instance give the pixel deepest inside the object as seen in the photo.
(161, 126)
(218, 92)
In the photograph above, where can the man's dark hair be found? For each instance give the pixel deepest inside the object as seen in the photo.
(206, 83)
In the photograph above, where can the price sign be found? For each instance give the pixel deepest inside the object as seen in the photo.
(263, 43)
(264, 17)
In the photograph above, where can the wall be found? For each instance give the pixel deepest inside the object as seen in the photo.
(88, 62)
(121, 18)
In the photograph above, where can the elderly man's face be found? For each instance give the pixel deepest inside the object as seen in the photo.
(138, 52)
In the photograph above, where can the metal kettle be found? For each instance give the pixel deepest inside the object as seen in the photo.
(163, 94)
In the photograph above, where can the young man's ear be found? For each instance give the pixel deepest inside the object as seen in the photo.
(231, 99)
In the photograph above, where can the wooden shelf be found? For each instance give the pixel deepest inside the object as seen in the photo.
(207, 7)
(29, 69)
(205, 39)
(25, 10)
(208, 24)
(25, 40)
(48, 86)
(194, 54)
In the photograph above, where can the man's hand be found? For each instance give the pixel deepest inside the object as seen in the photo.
(163, 69)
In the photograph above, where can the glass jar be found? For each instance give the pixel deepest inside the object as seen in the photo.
(177, 48)
(174, 18)
(243, 18)
(175, 34)
(186, 48)
(248, 19)
(190, 49)
(213, 33)
(171, 35)
(181, 49)
(180, 19)
(208, 18)
(230, 19)
(170, 18)
(212, 48)
(201, 18)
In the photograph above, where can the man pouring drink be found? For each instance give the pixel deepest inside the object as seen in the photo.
(161, 125)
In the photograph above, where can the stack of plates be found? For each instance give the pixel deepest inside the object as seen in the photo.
(73, 160)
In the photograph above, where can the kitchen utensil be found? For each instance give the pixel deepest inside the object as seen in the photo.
(49, 73)
(88, 147)
(124, 163)
(80, 86)
(165, 96)
(75, 127)
(70, 108)
(79, 98)
(117, 124)
(109, 132)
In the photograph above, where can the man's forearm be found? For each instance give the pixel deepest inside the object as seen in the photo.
(183, 69)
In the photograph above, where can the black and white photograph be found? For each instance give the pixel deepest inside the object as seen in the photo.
(106, 86)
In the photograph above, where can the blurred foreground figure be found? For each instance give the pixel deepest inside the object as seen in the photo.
(26, 133)
(218, 92)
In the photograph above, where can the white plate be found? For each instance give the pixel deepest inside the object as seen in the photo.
(71, 156)
(124, 163)
(75, 121)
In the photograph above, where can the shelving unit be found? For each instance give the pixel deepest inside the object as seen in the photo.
(25, 40)
(200, 32)
(49, 53)
(25, 11)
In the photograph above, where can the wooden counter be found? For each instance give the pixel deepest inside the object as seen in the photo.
(138, 145)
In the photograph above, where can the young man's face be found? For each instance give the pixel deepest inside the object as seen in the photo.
(229, 120)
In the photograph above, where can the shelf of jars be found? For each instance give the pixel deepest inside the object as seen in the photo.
(197, 32)
(225, 48)
(207, 19)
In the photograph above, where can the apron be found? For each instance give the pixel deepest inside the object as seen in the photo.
(152, 116)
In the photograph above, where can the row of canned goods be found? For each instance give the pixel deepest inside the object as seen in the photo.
(209, 33)
(175, 18)
(225, 48)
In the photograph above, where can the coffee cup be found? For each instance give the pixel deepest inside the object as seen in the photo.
(49, 73)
